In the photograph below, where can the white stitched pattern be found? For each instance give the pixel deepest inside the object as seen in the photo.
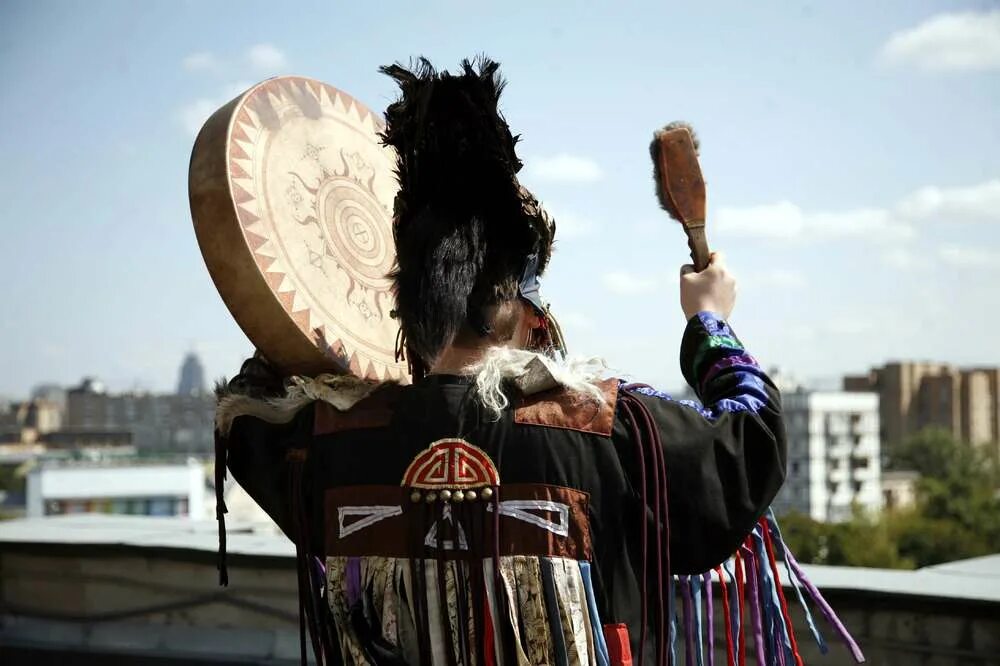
(372, 515)
(520, 510)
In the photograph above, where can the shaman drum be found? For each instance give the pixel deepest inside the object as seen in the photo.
(291, 195)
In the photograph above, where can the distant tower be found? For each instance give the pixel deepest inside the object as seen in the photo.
(192, 381)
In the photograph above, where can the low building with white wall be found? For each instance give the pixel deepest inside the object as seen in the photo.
(135, 488)
(834, 455)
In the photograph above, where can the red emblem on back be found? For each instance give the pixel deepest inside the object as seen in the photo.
(451, 463)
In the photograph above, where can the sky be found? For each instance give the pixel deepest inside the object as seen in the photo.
(851, 152)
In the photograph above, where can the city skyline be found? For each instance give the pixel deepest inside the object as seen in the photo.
(852, 160)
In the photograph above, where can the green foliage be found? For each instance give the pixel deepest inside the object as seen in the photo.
(956, 516)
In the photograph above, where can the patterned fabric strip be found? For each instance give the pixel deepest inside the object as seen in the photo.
(509, 583)
(336, 571)
(571, 613)
(601, 647)
(531, 606)
(406, 618)
(552, 606)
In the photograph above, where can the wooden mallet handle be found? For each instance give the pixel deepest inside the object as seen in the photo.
(680, 186)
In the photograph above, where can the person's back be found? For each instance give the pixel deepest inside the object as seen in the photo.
(508, 508)
(416, 487)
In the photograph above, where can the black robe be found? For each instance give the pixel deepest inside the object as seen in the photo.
(401, 505)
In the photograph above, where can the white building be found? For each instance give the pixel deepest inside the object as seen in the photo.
(154, 489)
(833, 454)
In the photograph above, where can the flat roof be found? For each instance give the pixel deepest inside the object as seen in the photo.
(976, 579)
(143, 531)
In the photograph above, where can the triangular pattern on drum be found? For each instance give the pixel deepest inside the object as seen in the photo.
(301, 319)
(267, 249)
(285, 298)
(247, 218)
(248, 117)
(368, 120)
(370, 373)
(244, 118)
(341, 102)
(274, 280)
(245, 184)
(287, 287)
(264, 262)
(239, 134)
(327, 96)
(300, 303)
(246, 165)
(253, 240)
(237, 171)
(315, 87)
(236, 151)
(354, 365)
(274, 95)
(241, 196)
(246, 146)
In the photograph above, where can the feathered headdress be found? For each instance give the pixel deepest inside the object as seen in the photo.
(467, 233)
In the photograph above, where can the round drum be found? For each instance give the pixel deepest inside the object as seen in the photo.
(291, 195)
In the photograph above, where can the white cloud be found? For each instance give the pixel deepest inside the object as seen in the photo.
(960, 41)
(267, 57)
(787, 221)
(978, 203)
(626, 283)
(565, 168)
(963, 256)
(201, 62)
(194, 114)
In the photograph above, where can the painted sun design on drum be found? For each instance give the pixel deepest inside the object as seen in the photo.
(345, 211)
(313, 188)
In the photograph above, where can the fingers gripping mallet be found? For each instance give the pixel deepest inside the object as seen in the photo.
(680, 186)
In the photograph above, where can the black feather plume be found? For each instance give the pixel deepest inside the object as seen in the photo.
(463, 225)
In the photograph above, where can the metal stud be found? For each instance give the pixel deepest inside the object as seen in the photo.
(458, 496)
(446, 495)
(415, 496)
(486, 493)
(431, 497)
(470, 495)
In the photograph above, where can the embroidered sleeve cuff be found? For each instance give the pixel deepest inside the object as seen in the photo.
(707, 340)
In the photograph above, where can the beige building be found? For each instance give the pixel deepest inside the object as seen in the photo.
(913, 396)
